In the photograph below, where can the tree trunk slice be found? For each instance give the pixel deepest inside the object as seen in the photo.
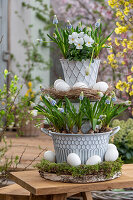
(83, 179)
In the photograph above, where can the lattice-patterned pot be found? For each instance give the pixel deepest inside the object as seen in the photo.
(85, 145)
(74, 71)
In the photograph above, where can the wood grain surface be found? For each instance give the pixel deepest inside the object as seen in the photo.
(15, 192)
(31, 181)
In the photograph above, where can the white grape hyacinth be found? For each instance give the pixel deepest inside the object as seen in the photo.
(34, 113)
(79, 42)
(72, 37)
(88, 41)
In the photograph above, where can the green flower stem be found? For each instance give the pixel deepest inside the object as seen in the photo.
(62, 45)
(91, 57)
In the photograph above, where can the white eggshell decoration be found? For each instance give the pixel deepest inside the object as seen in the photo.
(111, 154)
(50, 156)
(93, 160)
(101, 86)
(80, 85)
(112, 146)
(73, 159)
(58, 81)
(62, 86)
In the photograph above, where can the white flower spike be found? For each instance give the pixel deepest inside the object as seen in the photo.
(87, 71)
(34, 113)
(100, 94)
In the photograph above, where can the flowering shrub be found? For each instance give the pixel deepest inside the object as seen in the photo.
(64, 116)
(8, 96)
(123, 54)
(79, 43)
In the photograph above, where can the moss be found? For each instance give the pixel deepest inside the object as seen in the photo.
(105, 168)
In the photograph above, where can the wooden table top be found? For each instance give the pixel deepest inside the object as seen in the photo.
(32, 181)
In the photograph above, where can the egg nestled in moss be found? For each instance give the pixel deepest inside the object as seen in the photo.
(93, 160)
(50, 156)
(111, 154)
(73, 159)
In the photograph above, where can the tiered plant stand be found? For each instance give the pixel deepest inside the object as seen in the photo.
(44, 189)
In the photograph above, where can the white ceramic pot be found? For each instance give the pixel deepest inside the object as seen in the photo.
(74, 71)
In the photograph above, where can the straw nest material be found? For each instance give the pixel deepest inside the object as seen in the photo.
(74, 93)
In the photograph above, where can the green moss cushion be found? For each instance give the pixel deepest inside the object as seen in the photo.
(105, 168)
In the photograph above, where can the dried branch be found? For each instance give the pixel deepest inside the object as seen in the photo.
(35, 159)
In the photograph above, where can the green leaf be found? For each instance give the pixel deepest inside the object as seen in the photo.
(94, 124)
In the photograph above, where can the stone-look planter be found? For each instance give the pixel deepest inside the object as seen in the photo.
(84, 145)
(74, 71)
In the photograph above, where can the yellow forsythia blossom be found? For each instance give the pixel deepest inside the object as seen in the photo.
(109, 39)
(32, 95)
(132, 69)
(130, 79)
(131, 93)
(130, 45)
(126, 10)
(30, 84)
(114, 66)
(119, 54)
(119, 85)
(121, 29)
(116, 42)
(26, 94)
(123, 63)
(125, 50)
(111, 57)
(29, 90)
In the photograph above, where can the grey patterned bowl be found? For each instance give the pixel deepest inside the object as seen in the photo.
(74, 71)
(84, 145)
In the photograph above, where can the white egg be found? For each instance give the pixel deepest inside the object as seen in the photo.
(93, 160)
(58, 81)
(101, 86)
(62, 86)
(111, 154)
(112, 146)
(50, 156)
(73, 159)
(80, 85)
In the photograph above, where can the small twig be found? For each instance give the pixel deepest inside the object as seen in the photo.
(34, 159)
(20, 157)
